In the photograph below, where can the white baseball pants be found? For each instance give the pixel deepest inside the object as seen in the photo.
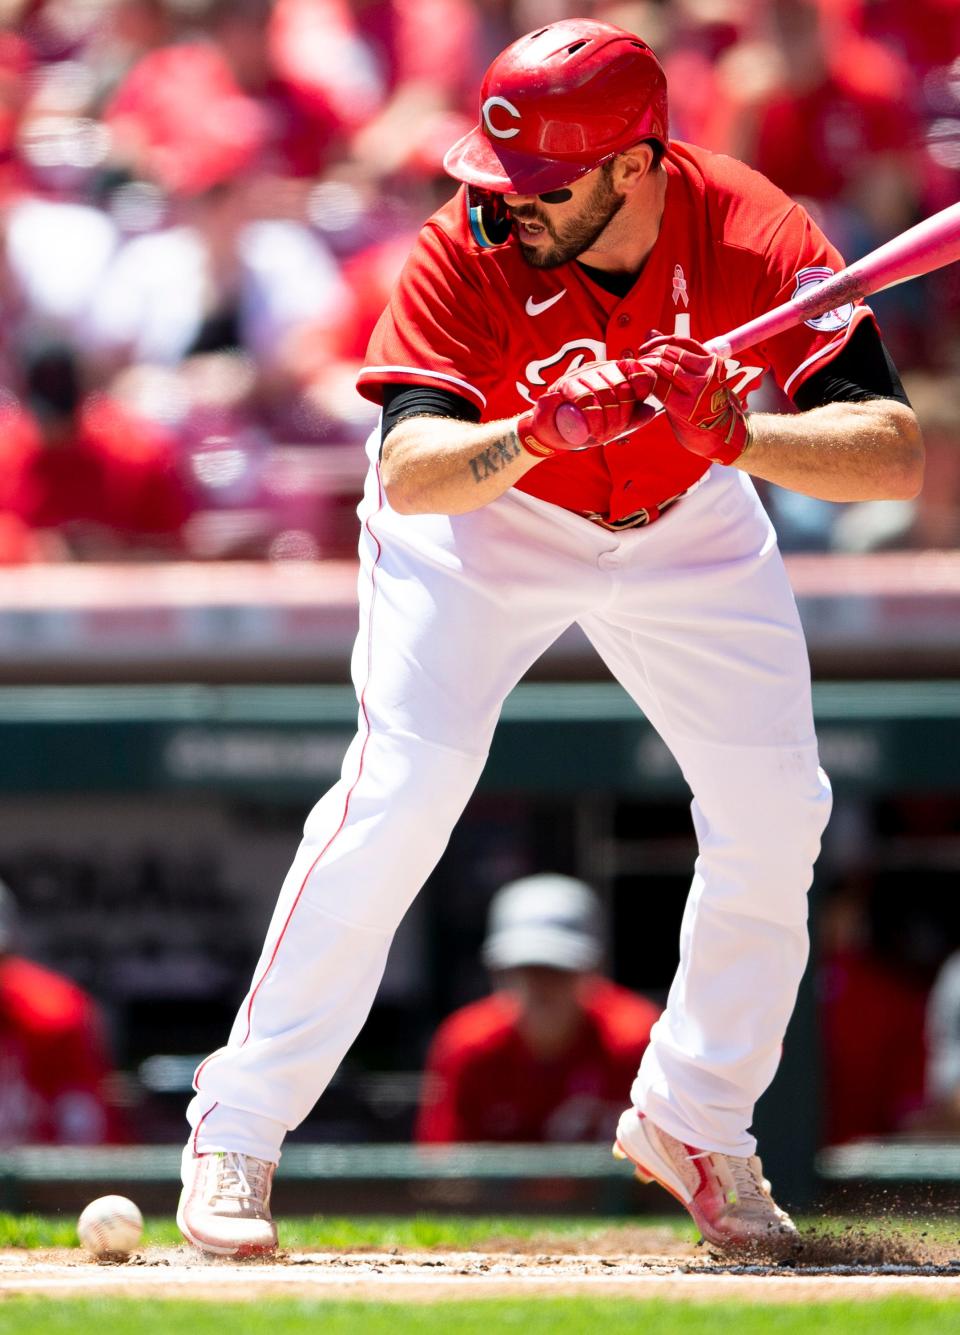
(695, 617)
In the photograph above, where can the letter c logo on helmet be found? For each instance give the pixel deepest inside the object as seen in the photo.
(508, 107)
(589, 90)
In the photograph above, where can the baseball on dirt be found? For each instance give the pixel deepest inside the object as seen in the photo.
(110, 1226)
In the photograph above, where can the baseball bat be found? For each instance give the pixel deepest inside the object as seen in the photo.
(929, 245)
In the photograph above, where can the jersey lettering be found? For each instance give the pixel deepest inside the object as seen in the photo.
(586, 349)
(748, 374)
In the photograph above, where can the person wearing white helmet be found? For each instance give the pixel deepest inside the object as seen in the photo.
(547, 1055)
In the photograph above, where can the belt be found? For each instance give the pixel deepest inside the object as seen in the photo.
(639, 518)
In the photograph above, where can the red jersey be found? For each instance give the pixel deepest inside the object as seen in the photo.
(488, 326)
(53, 1061)
(482, 1082)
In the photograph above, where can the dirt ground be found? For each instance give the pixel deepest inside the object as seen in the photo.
(643, 1263)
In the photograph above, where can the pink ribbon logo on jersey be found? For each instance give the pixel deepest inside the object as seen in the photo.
(679, 287)
(833, 320)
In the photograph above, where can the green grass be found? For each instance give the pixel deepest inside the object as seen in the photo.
(378, 1232)
(457, 1233)
(30, 1230)
(575, 1316)
(20, 1314)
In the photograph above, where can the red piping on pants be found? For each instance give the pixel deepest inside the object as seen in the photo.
(343, 820)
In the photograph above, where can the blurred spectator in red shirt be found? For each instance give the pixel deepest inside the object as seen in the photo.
(551, 1055)
(691, 37)
(82, 470)
(872, 1025)
(181, 118)
(54, 1064)
(426, 49)
(824, 113)
(16, 63)
(875, 968)
(924, 33)
(330, 78)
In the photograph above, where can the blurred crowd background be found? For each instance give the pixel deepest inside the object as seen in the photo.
(203, 205)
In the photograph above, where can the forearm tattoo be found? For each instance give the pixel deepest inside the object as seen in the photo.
(495, 457)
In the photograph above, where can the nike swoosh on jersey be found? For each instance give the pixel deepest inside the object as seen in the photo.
(538, 307)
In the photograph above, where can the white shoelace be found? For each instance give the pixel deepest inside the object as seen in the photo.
(747, 1187)
(747, 1183)
(239, 1181)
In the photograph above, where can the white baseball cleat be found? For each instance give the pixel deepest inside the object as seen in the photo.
(225, 1204)
(728, 1197)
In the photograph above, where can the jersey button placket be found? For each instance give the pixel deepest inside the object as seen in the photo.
(624, 320)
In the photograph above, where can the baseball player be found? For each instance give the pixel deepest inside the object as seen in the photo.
(583, 262)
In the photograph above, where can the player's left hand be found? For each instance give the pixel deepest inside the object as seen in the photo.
(694, 387)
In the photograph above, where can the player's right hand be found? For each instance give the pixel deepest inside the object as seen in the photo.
(696, 390)
(593, 406)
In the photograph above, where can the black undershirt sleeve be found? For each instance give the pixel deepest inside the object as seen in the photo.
(400, 401)
(861, 370)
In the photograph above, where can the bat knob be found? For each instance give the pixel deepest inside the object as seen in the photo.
(571, 424)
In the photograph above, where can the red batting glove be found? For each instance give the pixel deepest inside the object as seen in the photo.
(694, 387)
(609, 397)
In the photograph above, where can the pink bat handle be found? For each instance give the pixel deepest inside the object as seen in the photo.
(929, 245)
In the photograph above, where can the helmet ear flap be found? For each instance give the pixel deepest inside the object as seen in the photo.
(488, 216)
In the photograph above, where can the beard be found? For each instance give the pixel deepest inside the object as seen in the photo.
(575, 236)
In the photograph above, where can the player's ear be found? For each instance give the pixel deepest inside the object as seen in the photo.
(633, 166)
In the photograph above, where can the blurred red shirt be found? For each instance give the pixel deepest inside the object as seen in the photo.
(872, 1024)
(184, 118)
(53, 1061)
(925, 33)
(482, 1082)
(815, 142)
(113, 470)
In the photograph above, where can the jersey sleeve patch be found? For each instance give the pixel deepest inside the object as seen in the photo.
(830, 321)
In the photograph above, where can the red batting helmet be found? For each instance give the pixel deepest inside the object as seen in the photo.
(558, 103)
